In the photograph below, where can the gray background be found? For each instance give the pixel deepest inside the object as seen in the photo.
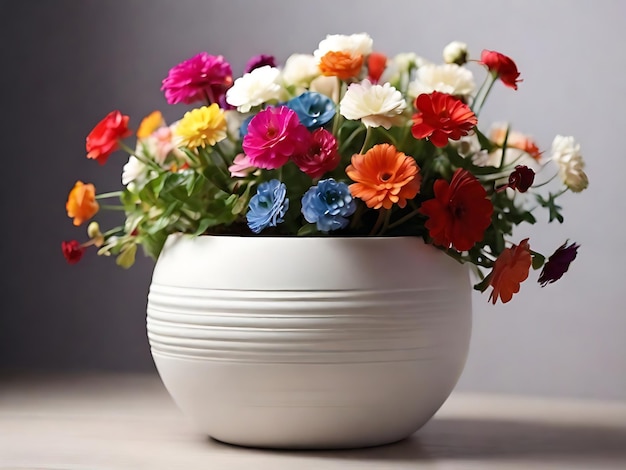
(67, 63)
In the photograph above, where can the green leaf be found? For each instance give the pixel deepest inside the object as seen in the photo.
(538, 259)
(203, 225)
(308, 229)
(553, 208)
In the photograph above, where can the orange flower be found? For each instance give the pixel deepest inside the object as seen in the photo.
(81, 203)
(509, 271)
(341, 64)
(384, 176)
(149, 124)
(516, 140)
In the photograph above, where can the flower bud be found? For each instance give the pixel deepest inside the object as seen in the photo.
(93, 232)
(455, 53)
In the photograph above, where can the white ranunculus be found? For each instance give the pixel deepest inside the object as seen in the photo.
(455, 53)
(566, 154)
(353, 44)
(255, 88)
(447, 78)
(134, 170)
(374, 105)
(299, 70)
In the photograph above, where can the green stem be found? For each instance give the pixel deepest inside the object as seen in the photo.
(385, 222)
(110, 207)
(403, 219)
(107, 195)
(141, 158)
(346, 143)
(504, 145)
(483, 96)
(379, 221)
(366, 141)
(545, 182)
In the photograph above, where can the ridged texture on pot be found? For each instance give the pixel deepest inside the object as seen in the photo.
(308, 342)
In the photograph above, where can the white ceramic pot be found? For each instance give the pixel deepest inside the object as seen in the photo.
(308, 342)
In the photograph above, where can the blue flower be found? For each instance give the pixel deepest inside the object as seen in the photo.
(313, 109)
(328, 204)
(243, 129)
(268, 206)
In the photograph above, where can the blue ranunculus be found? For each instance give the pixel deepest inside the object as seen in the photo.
(313, 109)
(243, 129)
(268, 206)
(328, 204)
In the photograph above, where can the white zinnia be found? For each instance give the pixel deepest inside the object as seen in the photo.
(447, 78)
(566, 154)
(133, 170)
(455, 52)
(353, 44)
(374, 105)
(255, 88)
(300, 69)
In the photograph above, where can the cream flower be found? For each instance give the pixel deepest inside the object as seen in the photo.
(374, 105)
(353, 44)
(328, 86)
(447, 78)
(566, 154)
(299, 70)
(255, 88)
(133, 170)
(455, 53)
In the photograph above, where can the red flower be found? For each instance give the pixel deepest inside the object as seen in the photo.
(376, 64)
(460, 212)
(521, 178)
(441, 117)
(322, 156)
(558, 264)
(72, 250)
(103, 140)
(502, 66)
(509, 271)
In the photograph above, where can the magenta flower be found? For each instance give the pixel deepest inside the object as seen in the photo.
(241, 166)
(274, 136)
(558, 264)
(322, 155)
(201, 77)
(259, 61)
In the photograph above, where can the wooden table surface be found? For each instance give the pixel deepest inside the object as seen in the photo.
(96, 422)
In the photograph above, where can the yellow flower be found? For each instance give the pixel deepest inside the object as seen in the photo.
(149, 124)
(202, 126)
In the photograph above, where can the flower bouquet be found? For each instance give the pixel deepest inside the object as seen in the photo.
(344, 142)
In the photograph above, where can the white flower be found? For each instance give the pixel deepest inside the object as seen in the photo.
(134, 170)
(447, 78)
(566, 154)
(352, 44)
(455, 53)
(255, 88)
(300, 69)
(328, 86)
(374, 105)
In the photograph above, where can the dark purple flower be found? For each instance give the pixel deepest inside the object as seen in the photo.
(521, 178)
(260, 61)
(558, 264)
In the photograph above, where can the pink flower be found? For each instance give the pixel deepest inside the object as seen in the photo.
(241, 166)
(274, 136)
(201, 77)
(322, 156)
(259, 61)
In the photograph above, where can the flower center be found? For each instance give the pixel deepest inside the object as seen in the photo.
(385, 176)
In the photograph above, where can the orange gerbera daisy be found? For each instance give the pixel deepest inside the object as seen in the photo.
(341, 64)
(384, 176)
(81, 203)
(509, 271)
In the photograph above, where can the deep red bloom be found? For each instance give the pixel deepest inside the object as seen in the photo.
(441, 117)
(322, 156)
(509, 271)
(460, 212)
(558, 264)
(196, 78)
(521, 178)
(72, 250)
(376, 64)
(103, 140)
(502, 66)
